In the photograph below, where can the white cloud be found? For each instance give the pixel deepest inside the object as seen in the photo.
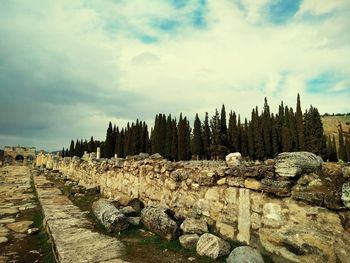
(233, 60)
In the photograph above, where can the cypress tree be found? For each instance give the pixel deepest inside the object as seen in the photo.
(215, 126)
(66, 154)
(239, 135)
(223, 127)
(299, 125)
(109, 146)
(267, 130)
(183, 139)
(71, 149)
(206, 137)
(91, 145)
(347, 149)
(244, 136)
(174, 143)
(232, 132)
(334, 150)
(313, 131)
(342, 151)
(274, 137)
(251, 141)
(197, 138)
(293, 131)
(169, 137)
(63, 153)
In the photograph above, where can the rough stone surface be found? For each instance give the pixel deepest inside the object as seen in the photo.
(135, 221)
(157, 220)
(194, 226)
(345, 196)
(233, 159)
(33, 231)
(20, 227)
(3, 240)
(111, 218)
(71, 232)
(189, 241)
(212, 246)
(291, 164)
(245, 254)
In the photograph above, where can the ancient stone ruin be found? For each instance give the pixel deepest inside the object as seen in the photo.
(294, 208)
(18, 154)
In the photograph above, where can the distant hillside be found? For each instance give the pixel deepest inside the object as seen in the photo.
(330, 125)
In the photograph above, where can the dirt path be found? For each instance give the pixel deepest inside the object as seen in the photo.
(73, 235)
(19, 211)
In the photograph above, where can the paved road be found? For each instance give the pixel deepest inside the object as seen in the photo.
(73, 235)
(17, 208)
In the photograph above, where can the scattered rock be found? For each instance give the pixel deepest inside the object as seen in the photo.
(345, 194)
(252, 184)
(194, 226)
(20, 227)
(291, 164)
(33, 231)
(135, 221)
(159, 220)
(128, 210)
(245, 254)
(92, 190)
(233, 159)
(112, 219)
(156, 156)
(3, 240)
(189, 241)
(136, 204)
(212, 246)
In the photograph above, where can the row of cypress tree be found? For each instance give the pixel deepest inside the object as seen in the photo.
(262, 137)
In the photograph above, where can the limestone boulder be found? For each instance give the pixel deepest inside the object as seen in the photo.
(110, 217)
(345, 195)
(245, 254)
(194, 226)
(189, 241)
(212, 246)
(292, 164)
(233, 159)
(20, 227)
(160, 221)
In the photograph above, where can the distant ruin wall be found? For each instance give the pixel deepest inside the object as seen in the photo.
(248, 204)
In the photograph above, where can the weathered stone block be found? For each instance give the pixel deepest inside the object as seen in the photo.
(272, 215)
(212, 246)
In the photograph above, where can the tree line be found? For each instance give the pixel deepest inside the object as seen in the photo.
(262, 137)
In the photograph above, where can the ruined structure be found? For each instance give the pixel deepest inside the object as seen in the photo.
(19, 154)
(294, 218)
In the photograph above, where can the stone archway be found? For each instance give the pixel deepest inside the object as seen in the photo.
(19, 158)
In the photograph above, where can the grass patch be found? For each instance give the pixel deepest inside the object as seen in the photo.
(42, 238)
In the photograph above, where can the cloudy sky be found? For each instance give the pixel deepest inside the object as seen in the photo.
(69, 67)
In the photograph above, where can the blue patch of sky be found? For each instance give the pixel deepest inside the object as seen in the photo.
(198, 15)
(146, 39)
(178, 4)
(167, 25)
(322, 83)
(281, 11)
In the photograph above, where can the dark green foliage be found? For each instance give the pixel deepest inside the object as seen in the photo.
(109, 145)
(342, 150)
(313, 131)
(263, 137)
(206, 137)
(197, 138)
(71, 149)
(299, 125)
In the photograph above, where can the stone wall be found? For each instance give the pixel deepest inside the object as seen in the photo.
(300, 219)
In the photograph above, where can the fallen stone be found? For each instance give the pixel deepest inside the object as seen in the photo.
(345, 194)
(33, 231)
(136, 204)
(19, 227)
(194, 226)
(160, 221)
(3, 240)
(291, 164)
(233, 159)
(127, 210)
(245, 254)
(189, 241)
(135, 221)
(156, 156)
(92, 190)
(212, 246)
(111, 218)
